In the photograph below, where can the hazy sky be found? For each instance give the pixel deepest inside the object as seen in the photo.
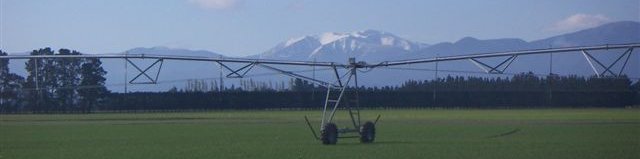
(244, 27)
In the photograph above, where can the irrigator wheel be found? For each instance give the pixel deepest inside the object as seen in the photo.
(329, 134)
(367, 132)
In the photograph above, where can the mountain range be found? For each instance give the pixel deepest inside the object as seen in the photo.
(374, 46)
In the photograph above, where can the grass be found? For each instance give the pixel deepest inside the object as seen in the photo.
(544, 133)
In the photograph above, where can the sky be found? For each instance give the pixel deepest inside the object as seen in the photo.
(248, 27)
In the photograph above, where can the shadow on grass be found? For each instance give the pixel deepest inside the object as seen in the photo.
(505, 133)
(379, 143)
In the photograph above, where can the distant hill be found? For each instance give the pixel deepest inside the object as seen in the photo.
(160, 50)
(611, 33)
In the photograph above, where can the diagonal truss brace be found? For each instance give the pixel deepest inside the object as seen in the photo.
(331, 104)
(152, 80)
(496, 69)
(236, 73)
(607, 69)
(336, 103)
(298, 76)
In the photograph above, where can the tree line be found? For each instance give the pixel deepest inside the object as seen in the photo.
(525, 90)
(74, 85)
(61, 85)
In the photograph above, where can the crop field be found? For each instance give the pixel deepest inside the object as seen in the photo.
(422, 133)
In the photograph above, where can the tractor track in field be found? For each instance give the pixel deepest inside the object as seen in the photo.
(505, 133)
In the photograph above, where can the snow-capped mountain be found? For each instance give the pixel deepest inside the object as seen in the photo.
(364, 45)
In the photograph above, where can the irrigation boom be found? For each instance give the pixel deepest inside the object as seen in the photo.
(336, 95)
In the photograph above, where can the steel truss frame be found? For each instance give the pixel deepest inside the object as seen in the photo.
(607, 69)
(513, 54)
(336, 94)
(152, 80)
(494, 69)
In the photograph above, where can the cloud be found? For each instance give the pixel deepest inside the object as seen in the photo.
(579, 21)
(216, 4)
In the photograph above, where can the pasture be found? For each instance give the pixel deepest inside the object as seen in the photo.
(406, 133)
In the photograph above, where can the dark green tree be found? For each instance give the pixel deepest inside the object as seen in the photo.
(41, 82)
(10, 87)
(92, 80)
(68, 77)
(636, 91)
(300, 85)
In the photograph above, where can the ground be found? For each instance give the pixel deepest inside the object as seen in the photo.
(421, 133)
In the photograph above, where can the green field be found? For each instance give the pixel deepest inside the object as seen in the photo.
(548, 133)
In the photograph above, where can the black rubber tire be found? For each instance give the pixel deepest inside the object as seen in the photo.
(329, 134)
(367, 132)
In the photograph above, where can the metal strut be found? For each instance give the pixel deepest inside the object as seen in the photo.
(298, 76)
(354, 111)
(236, 73)
(336, 101)
(335, 70)
(152, 80)
(333, 102)
(607, 69)
(494, 70)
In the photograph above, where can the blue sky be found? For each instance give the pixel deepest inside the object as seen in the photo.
(245, 27)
